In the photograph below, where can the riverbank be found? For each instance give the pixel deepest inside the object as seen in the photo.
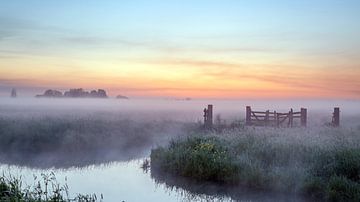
(323, 164)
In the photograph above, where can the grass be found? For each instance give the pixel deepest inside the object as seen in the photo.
(45, 190)
(323, 164)
(336, 176)
(199, 158)
(79, 140)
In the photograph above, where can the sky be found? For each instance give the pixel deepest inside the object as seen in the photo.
(201, 49)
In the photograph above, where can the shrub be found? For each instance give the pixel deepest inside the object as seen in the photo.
(198, 158)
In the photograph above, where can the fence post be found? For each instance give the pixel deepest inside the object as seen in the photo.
(291, 118)
(336, 117)
(303, 117)
(205, 117)
(248, 116)
(209, 116)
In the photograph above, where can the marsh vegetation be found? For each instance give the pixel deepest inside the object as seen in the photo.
(323, 164)
(44, 189)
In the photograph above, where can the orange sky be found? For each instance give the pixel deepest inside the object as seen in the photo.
(217, 49)
(185, 77)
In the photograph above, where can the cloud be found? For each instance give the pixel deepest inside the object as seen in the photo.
(10, 27)
(288, 75)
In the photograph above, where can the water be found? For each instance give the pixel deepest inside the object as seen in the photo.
(117, 181)
(127, 181)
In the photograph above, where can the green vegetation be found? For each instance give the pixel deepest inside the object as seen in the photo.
(336, 176)
(46, 190)
(199, 158)
(322, 164)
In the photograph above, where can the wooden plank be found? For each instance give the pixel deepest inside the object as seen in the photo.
(248, 115)
(258, 112)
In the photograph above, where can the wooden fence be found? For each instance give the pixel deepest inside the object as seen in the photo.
(273, 118)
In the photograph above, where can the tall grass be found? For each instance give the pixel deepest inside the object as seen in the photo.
(323, 163)
(200, 158)
(46, 189)
(80, 140)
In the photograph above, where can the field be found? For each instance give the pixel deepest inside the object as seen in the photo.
(320, 163)
(317, 162)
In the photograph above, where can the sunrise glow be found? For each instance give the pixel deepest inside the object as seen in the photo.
(199, 49)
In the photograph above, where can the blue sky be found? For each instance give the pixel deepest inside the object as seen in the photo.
(61, 37)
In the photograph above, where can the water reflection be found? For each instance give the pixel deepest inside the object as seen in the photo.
(192, 190)
(65, 160)
(127, 181)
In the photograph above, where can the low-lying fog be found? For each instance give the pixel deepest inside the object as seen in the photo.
(182, 110)
(72, 134)
(51, 132)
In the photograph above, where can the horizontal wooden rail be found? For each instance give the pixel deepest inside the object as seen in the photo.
(267, 118)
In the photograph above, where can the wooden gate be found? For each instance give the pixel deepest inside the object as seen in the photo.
(273, 118)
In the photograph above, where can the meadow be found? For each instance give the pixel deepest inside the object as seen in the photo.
(318, 163)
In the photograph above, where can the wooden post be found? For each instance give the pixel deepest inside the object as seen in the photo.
(336, 117)
(291, 118)
(303, 117)
(277, 120)
(210, 116)
(205, 117)
(248, 116)
(267, 118)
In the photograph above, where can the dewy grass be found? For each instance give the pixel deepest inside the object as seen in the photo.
(320, 163)
(45, 190)
(199, 158)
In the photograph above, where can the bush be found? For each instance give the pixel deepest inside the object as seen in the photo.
(198, 158)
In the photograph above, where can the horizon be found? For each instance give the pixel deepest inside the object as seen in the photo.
(178, 49)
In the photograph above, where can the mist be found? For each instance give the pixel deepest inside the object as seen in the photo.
(48, 132)
(73, 133)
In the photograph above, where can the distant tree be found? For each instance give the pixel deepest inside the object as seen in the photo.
(51, 93)
(75, 93)
(102, 93)
(13, 93)
(121, 97)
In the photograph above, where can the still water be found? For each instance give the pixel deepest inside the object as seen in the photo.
(127, 181)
